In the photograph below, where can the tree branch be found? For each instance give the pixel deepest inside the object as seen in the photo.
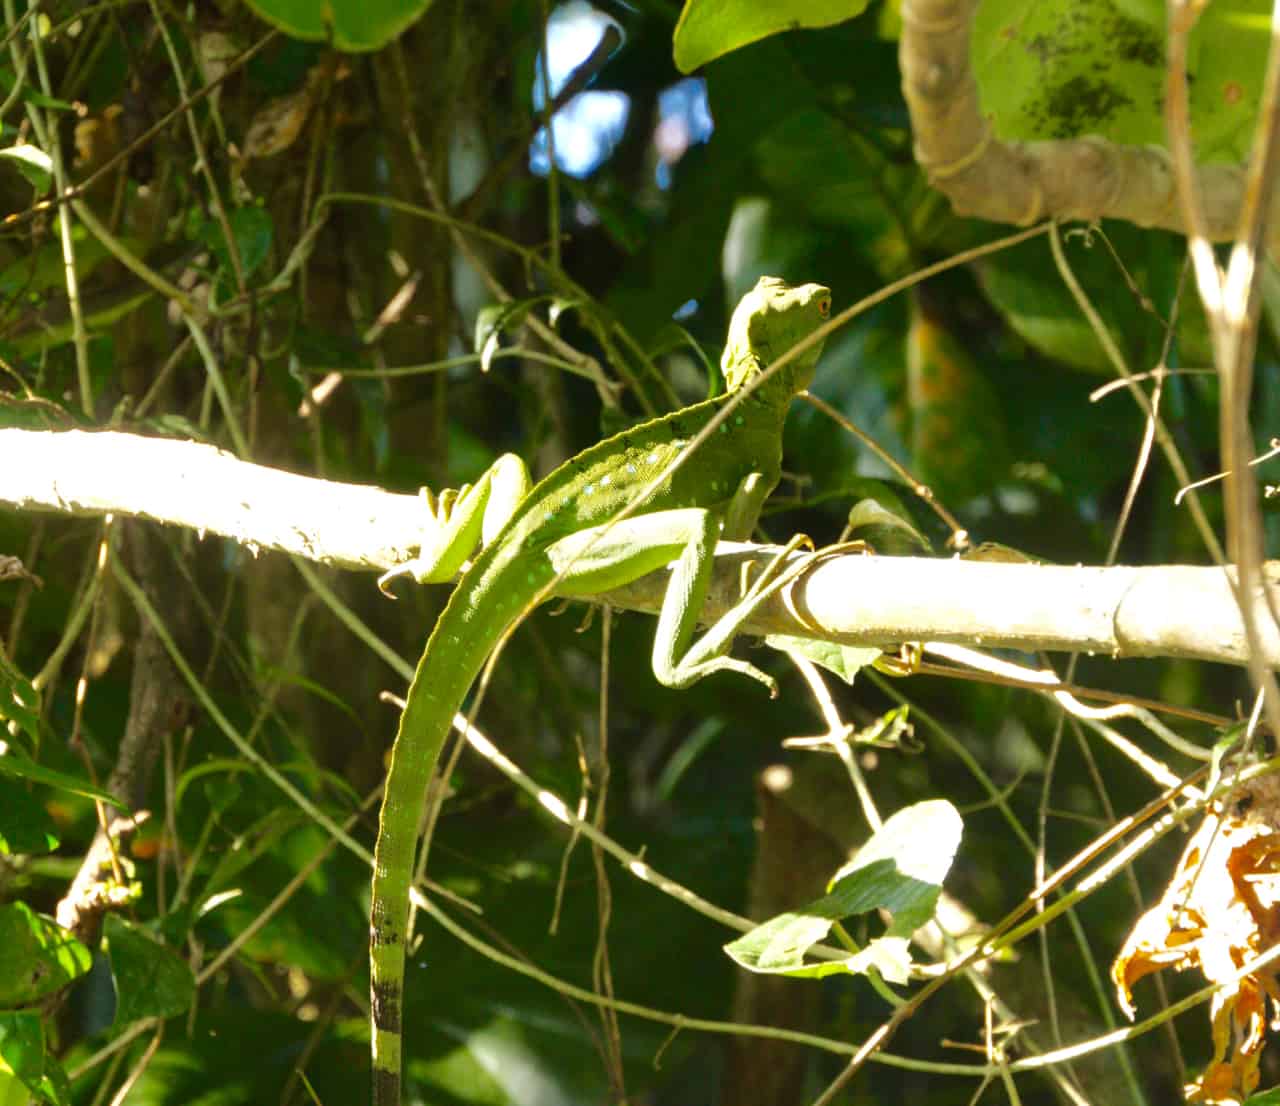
(1170, 610)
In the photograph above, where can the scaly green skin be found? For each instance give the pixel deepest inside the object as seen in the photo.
(727, 480)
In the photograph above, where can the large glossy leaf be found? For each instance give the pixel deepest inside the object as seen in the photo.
(900, 870)
(1063, 69)
(355, 25)
(150, 980)
(709, 29)
(1133, 302)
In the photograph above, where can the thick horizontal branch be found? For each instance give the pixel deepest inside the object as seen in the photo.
(1121, 611)
(203, 488)
(1176, 611)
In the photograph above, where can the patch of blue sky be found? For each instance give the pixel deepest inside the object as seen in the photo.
(588, 128)
(684, 120)
(585, 132)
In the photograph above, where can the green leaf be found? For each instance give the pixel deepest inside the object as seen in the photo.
(1027, 289)
(1025, 285)
(25, 1065)
(25, 827)
(150, 980)
(15, 765)
(12, 1093)
(709, 29)
(814, 164)
(959, 439)
(37, 956)
(33, 163)
(253, 841)
(354, 25)
(900, 870)
(872, 515)
(225, 793)
(921, 842)
(841, 660)
(19, 701)
(488, 334)
(43, 270)
(1060, 70)
(494, 320)
(22, 1043)
(35, 96)
(778, 946)
(253, 229)
(560, 306)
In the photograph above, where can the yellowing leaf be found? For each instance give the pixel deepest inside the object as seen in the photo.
(1218, 912)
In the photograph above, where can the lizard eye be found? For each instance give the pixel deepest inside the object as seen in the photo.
(824, 306)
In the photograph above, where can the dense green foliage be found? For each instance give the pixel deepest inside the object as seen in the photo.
(343, 231)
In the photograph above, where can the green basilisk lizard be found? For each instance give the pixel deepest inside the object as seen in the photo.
(564, 529)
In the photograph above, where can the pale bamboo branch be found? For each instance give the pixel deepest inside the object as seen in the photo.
(202, 488)
(1172, 610)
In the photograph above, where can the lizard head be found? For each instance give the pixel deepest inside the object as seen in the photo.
(767, 322)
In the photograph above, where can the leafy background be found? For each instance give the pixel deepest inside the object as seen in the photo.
(667, 195)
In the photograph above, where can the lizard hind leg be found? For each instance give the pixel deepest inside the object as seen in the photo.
(708, 653)
(609, 556)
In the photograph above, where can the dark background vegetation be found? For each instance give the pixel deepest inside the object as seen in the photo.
(792, 157)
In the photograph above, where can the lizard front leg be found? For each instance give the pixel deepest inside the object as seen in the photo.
(461, 521)
(605, 557)
(678, 659)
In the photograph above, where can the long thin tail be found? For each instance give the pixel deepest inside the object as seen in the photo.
(454, 654)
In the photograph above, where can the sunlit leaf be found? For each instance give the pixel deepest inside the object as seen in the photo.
(493, 321)
(26, 1066)
(19, 700)
(709, 29)
(19, 767)
(32, 162)
(869, 518)
(900, 870)
(37, 956)
(841, 660)
(1105, 71)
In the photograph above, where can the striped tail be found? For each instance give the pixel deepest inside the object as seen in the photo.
(467, 630)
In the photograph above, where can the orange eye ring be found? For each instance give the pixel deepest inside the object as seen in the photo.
(824, 306)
